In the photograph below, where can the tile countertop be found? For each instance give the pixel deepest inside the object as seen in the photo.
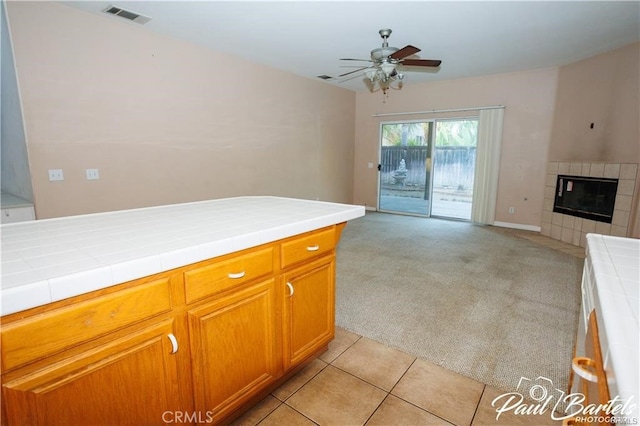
(48, 260)
(612, 276)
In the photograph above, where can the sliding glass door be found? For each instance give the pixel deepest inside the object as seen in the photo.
(454, 167)
(405, 157)
(427, 167)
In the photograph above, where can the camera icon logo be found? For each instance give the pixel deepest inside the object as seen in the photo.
(533, 397)
(540, 390)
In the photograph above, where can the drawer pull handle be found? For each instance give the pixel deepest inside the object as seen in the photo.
(313, 248)
(236, 276)
(290, 289)
(579, 364)
(174, 343)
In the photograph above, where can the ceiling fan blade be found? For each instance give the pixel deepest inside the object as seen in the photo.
(351, 77)
(351, 72)
(422, 62)
(404, 52)
(351, 59)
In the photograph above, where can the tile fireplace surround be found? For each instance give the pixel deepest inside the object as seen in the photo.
(573, 230)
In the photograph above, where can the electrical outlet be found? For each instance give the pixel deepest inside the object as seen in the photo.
(92, 174)
(512, 210)
(55, 175)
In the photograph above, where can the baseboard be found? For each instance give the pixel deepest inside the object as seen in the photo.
(517, 226)
(370, 208)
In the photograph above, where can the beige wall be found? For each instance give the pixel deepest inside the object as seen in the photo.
(603, 90)
(529, 99)
(166, 121)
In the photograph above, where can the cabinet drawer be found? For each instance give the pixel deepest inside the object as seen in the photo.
(225, 274)
(44, 334)
(308, 246)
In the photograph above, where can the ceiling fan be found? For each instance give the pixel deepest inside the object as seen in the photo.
(384, 61)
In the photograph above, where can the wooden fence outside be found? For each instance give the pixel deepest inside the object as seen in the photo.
(453, 166)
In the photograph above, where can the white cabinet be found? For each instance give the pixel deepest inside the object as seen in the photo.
(15, 209)
(18, 214)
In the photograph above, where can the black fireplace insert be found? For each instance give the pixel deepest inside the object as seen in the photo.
(586, 197)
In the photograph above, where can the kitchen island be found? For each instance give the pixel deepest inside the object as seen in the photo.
(609, 327)
(143, 316)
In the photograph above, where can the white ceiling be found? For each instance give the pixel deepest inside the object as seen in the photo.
(471, 38)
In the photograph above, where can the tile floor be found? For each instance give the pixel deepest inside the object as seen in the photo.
(537, 238)
(359, 381)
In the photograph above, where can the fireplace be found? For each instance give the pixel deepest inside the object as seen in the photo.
(586, 197)
(570, 226)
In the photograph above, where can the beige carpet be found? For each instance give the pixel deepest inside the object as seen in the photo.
(472, 299)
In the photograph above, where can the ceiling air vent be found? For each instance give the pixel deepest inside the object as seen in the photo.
(127, 14)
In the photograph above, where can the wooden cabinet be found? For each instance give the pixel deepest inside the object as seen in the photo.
(232, 271)
(200, 341)
(307, 246)
(234, 350)
(594, 352)
(44, 334)
(591, 376)
(308, 281)
(309, 310)
(131, 380)
(111, 357)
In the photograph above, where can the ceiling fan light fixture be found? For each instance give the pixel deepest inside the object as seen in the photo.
(382, 75)
(387, 68)
(371, 74)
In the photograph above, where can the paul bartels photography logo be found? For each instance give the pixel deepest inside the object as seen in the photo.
(540, 397)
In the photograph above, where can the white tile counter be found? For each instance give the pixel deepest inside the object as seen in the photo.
(611, 286)
(49, 260)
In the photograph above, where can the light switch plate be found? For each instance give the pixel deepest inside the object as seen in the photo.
(92, 174)
(55, 175)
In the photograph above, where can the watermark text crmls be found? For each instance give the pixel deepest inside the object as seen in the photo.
(189, 417)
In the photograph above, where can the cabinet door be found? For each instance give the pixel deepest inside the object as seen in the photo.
(132, 380)
(234, 350)
(309, 310)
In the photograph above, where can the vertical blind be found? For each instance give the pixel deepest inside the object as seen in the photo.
(485, 186)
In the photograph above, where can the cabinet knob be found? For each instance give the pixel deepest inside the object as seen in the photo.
(236, 276)
(290, 289)
(174, 343)
(313, 248)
